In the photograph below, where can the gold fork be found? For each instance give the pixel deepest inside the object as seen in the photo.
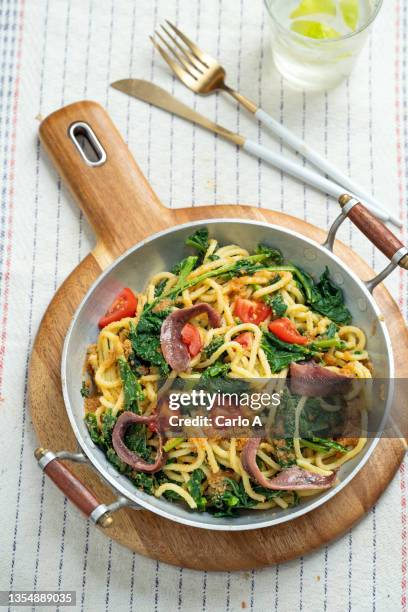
(203, 74)
(195, 68)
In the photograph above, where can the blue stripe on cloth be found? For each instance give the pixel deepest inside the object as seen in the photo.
(108, 577)
(171, 136)
(33, 270)
(56, 268)
(8, 61)
(156, 586)
(204, 593)
(152, 70)
(238, 106)
(18, 15)
(260, 84)
(193, 127)
(216, 103)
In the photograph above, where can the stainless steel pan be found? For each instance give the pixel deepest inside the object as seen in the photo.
(160, 251)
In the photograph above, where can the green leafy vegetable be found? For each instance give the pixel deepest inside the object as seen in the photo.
(273, 256)
(214, 345)
(216, 369)
(92, 425)
(325, 297)
(131, 387)
(145, 339)
(102, 437)
(277, 304)
(243, 267)
(159, 288)
(85, 389)
(227, 498)
(113, 458)
(280, 354)
(214, 379)
(136, 440)
(151, 322)
(194, 488)
(108, 423)
(330, 444)
(183, 269)
(148, 349)
(331, 330)
(142, 481)
(199, 241)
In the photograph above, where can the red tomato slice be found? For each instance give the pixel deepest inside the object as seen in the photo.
(152, 426)
(124, 305)
(285, 330)
(250, 311)
(245, 339)
(192, 339)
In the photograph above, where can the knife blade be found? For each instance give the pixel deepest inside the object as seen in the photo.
(153, 94)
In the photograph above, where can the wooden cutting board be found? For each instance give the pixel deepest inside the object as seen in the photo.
(123, 209)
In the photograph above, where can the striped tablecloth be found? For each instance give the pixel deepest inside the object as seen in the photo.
(53, 52)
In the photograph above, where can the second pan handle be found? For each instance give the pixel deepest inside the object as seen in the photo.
(380, 236)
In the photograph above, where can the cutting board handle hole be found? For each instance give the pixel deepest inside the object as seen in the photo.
(88, 145)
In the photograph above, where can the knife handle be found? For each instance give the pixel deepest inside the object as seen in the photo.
(302, 173)
(95, 163)
(297, 144)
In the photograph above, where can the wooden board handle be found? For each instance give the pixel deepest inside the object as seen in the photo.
(372, 228)
(115, 196)
(72, 487)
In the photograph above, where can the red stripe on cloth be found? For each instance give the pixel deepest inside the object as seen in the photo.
(11, 196)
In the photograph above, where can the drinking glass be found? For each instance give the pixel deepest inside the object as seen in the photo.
(320, 50)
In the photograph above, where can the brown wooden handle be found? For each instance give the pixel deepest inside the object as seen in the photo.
(375, 230)
(73, 488)
(115, 196)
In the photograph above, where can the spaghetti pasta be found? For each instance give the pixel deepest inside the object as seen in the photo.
(246, 291)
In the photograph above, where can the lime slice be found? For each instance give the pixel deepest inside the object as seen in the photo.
(351, 12)
(314, 29)
(311, 7)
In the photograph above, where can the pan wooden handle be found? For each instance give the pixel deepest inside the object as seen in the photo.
(112, 192)
(73, 488)
(374, 230)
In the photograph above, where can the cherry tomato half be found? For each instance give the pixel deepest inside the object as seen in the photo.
(124, 305)
(250, 311)
(245, 339)
(285, 330)
(192, 339)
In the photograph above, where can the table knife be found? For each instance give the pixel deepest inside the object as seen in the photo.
(155, 95)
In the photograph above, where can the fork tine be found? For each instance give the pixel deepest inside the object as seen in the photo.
(198, 64)
(187, 66)
(182, 74)
(192, 46)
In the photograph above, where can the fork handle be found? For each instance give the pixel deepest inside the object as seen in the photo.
(299, 145)
(303, 174)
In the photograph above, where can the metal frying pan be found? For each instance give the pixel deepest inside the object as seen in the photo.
(94, 161)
